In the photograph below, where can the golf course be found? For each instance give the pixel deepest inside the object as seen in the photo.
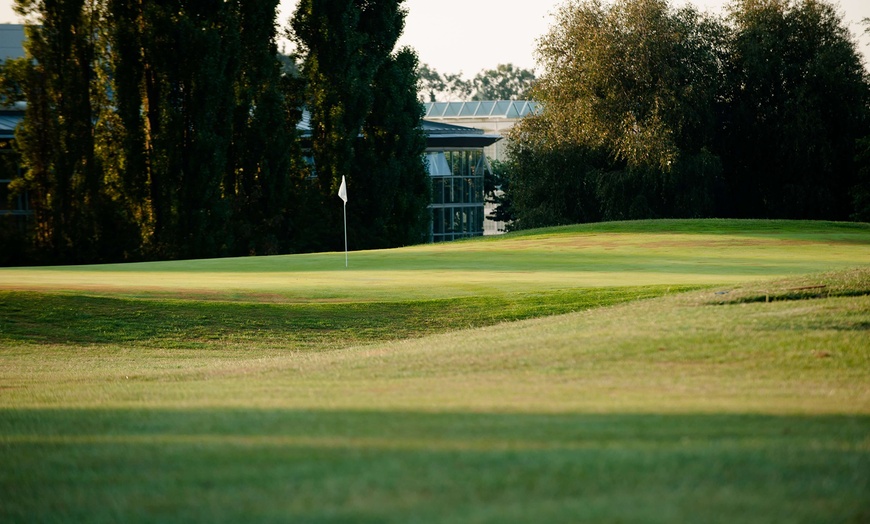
(663, 371)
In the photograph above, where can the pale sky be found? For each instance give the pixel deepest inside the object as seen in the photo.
(471, 35)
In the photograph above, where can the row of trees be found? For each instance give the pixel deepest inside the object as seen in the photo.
(505, 82)
(652, 111)
(169, 129)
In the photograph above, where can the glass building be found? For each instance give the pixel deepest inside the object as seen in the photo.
(494, 117)
(457, 166)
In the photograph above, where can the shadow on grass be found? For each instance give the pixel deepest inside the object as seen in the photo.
(81, 319)
(226, 465)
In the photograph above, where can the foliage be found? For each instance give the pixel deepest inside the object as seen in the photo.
(496, 188)
(12, 75)
(366, 124)
(549, 181)
(436, 87)
(168, 130)
(57, 140)
(636, 78)
(343, 45)
(263, 179)
(799, 98)
(392, 191)
(861, 191)
(505, 82)
(677, 114)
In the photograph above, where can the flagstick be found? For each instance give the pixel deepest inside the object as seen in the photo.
(342, 194)
(345, 234)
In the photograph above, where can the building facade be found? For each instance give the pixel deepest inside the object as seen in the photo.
(492, 117)
(457, 167)
(14, 210)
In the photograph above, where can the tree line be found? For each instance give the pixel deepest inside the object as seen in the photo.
(160, 130)
(505, 82)
(654, 111)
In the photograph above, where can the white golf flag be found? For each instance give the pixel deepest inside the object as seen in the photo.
(342, 190)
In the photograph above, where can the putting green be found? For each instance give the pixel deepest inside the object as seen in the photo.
(678, 252)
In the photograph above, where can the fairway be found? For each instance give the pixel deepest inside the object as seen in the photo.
(655, 371)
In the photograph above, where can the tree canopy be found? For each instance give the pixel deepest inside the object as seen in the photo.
(665, 111)
(169, 129)
(505, 82)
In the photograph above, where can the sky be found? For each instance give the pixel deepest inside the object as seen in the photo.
(468, 36)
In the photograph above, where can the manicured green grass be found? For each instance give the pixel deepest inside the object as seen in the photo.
(693, 252)
(604, 384)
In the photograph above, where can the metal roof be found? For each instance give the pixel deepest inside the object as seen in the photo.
(504, 109)
(8, 121)
(438, 134)
(441, 135)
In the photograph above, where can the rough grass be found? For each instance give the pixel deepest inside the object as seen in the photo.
(746, 399)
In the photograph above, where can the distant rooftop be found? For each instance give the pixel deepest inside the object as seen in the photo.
(441, 135)
(509, 109)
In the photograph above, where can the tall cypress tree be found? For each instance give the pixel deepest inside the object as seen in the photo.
(343, 44)
(177, 63)
(392, 185)
(265, 152)
(57, 137)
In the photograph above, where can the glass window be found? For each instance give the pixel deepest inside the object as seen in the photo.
(438, 190)
(438, 164)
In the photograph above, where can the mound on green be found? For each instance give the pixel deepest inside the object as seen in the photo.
(734, 393)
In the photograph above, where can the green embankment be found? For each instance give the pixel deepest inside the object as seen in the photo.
(664, 371)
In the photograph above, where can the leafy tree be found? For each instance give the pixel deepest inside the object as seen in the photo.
(436, 87)
(208, 139)
(172, 83)
(861, 191)
(429, 83)
(631, 97)
(156, 129)
(549, 181)
(505, 82)
(636, 77)
(391, 191)
(496, 188)
(12, 76)
(800, 101)
(64, 175)
(265, 152)
(343, 44)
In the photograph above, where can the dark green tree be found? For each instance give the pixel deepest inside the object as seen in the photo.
(799, 101)
(343, 44)
(391, 184)
(177, 64)
(265, 152)
(505, 82)
(550, 181)
(430, 83)
(496, 189)
(64, 175)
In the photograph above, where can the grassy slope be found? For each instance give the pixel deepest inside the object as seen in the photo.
(143, 404)
(577, 257)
